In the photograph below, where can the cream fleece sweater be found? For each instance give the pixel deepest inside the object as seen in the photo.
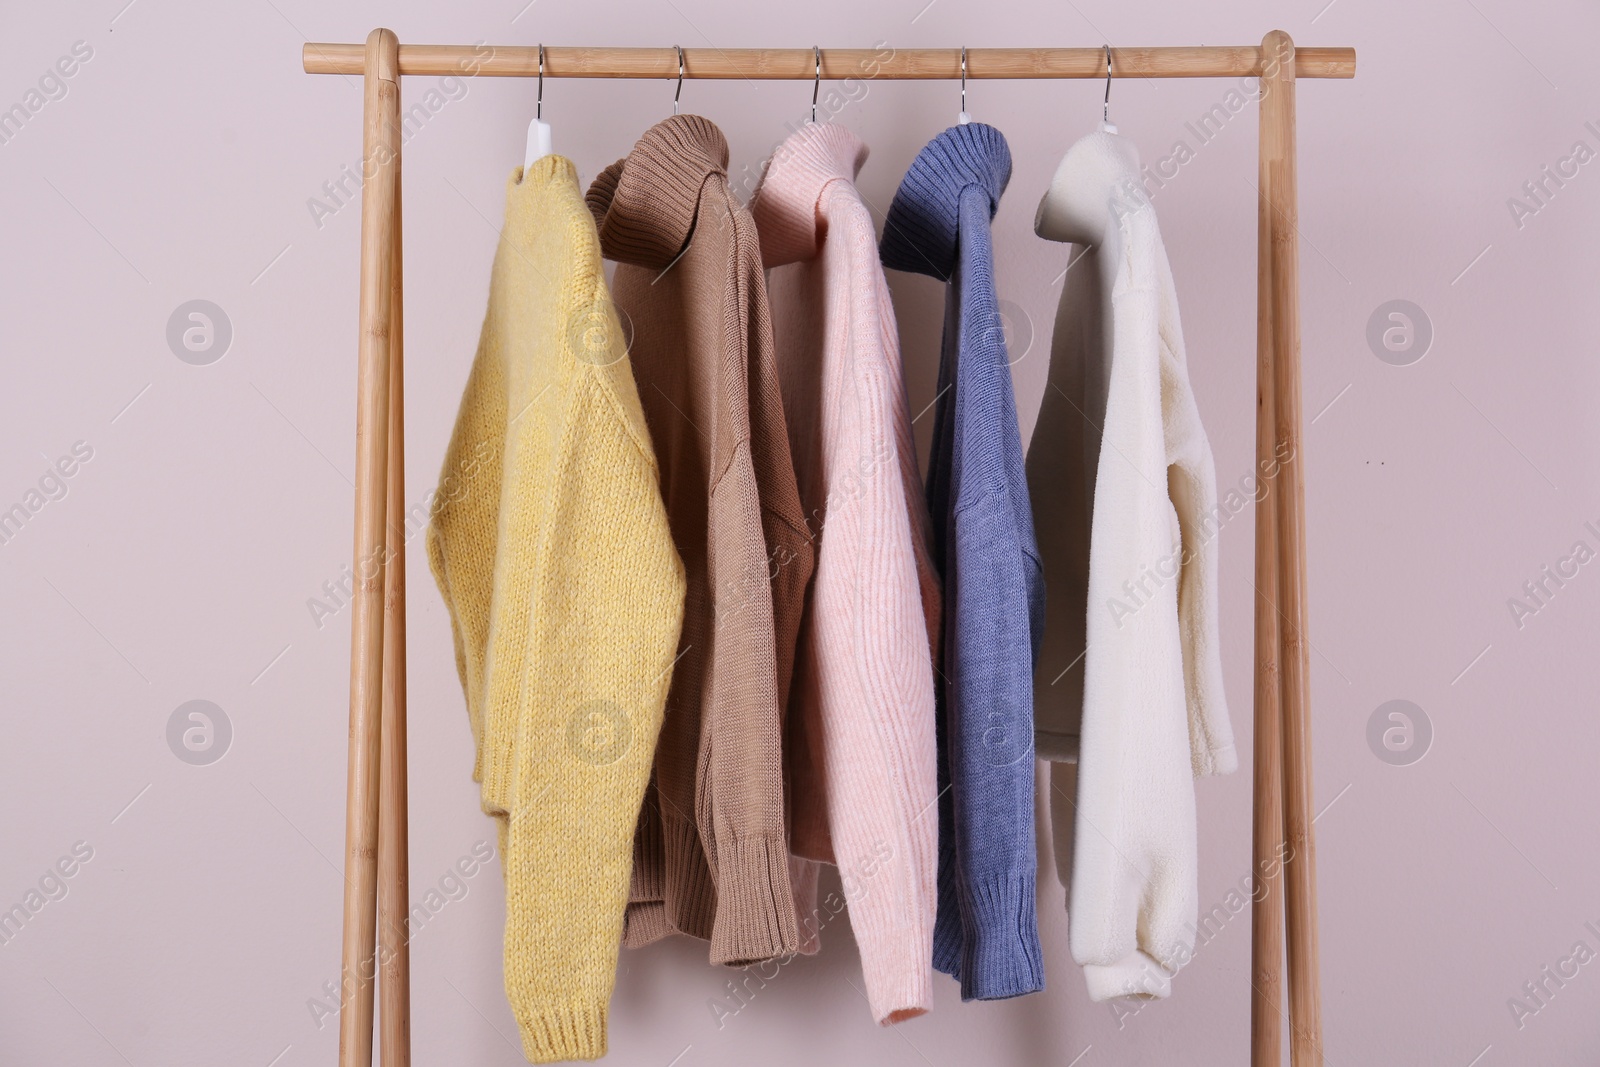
(552, 550)
(860, 748)
(1129, 676)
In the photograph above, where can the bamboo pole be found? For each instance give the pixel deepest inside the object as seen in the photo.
(1305, 998)
(380, 141)
(394, 893)
(799, 64)
(1266, 913)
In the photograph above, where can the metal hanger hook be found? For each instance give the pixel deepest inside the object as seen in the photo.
(963, 79)
(680, 80)
(816, 54)
(538, 104)
(1105, 113)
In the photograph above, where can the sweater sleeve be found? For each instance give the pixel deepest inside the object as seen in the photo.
(996, 600)
(1193, 486)
(740, 787)
(1134, 880)
(871, 648)
(610, 598)
(760, 560)
(461, 542)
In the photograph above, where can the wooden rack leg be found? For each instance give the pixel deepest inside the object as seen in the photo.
(394, 893)
(1300, 880)
(380, 141)
(1266, 915)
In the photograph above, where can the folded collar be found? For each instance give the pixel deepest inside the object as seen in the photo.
(786, 202)
(919, 233)
(645, 203)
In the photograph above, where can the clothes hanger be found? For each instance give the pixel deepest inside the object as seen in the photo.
(816, 54)
(1077, 206)
(680, 81)
(963, 118)
(1105, 114)
(538, 129)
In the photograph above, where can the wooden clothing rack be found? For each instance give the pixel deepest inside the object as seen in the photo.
(376, 897)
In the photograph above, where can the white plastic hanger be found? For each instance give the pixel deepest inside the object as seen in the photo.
(538, 129)
(963, 118)
(1077, 206)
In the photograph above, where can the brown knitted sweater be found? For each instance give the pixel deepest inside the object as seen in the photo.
(711, 855)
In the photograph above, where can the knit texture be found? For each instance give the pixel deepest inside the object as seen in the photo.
(551, 548)
(712, 852)
(861, 745)
(1129, 681)
(986, 932)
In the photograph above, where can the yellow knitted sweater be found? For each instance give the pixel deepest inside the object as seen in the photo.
(550, 545)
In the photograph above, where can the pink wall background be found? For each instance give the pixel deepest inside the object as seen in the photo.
(178, 564)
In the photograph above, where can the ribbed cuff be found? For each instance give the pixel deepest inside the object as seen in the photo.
(565, 1032)
(1001, 956)
(496, 767)
(895, 969)
(1135, 975)
(1220, 759)
(755, 902)
(690, 895)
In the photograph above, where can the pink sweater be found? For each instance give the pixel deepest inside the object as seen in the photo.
(860, 745)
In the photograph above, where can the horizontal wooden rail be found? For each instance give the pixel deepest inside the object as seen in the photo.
(798, 64)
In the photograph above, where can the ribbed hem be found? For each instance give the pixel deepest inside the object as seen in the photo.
(644, 923)
(1001, 956)
(808, 919)
(648, 881)
(1135, 975)
(1055, 747)
(1220, 759)
(755, 917)
(566, 1032)
(689, 892)
(947, 935)
(809, 835)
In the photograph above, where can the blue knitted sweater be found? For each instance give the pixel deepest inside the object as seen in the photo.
(986, 933)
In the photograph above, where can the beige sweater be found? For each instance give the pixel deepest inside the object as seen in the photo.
(712, 853)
